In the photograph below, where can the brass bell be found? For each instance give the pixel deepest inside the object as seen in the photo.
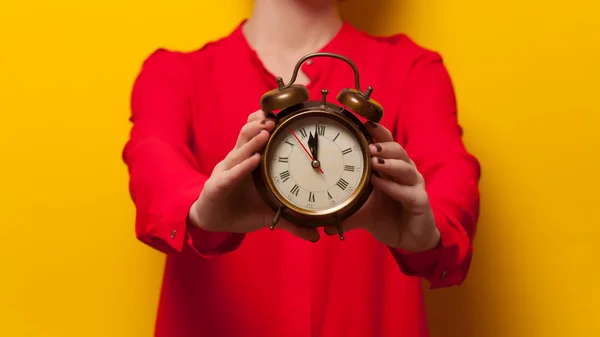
(278, 99)
(361, 104)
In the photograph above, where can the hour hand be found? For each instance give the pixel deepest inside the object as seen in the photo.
(312, 145)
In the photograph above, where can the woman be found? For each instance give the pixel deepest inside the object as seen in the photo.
(193, 146)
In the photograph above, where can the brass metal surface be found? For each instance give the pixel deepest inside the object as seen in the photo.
(278, 99)
(309, 217)
(356, 102)
(289, 103)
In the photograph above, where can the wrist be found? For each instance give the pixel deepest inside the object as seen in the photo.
(435, 241)
(430, 238)
(200, 218)
(192, 218)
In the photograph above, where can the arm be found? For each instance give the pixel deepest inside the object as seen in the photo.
(433, 140)
(164, 176)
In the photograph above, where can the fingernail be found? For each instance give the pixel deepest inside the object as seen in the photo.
(372, 124)
(378, 147)
(264, 121)
(380, 160)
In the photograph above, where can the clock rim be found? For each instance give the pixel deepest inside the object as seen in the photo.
(301, 216)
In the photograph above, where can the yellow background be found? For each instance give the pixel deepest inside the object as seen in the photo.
(526, 74)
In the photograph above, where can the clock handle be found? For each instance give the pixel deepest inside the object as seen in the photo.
(305, 58)
(355, 100)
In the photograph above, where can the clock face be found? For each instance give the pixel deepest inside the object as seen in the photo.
(316, 163)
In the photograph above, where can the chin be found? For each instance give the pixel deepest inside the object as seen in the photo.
(318, 3)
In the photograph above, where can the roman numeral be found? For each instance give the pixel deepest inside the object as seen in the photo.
(295, 190)
(346, 151)
(303, 132)
(329, 197)
(321, 130)
(287, 141)
(349, 168)
(285, 175)
(283, 159)
(342, 184)
(311, 197)
(334, 138)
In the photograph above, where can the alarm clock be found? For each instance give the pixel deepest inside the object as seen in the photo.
(315, 168)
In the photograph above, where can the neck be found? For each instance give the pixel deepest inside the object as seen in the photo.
(292, 28)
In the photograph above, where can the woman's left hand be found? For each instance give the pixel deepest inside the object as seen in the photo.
(398, 213)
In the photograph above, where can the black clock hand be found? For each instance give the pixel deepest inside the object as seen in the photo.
(316, 146)
(312, 145)
(314, 163)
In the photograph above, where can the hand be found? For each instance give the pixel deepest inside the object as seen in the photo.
(312, 146)
(398, 213)
(314, 163)
(229, 201)
(313, 143)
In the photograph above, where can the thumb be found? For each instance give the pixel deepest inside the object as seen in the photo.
(305, 233)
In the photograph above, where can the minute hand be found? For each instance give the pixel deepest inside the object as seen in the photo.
(316, 146)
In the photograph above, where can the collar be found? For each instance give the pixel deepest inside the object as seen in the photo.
(343, 43)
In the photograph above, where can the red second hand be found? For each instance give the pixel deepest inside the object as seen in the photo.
(305, 150)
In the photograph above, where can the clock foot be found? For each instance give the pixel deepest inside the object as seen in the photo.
(276, 219)
(338, 226)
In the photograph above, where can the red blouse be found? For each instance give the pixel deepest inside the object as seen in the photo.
(269, 283)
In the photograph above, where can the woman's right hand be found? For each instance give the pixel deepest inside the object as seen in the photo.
(229, 201)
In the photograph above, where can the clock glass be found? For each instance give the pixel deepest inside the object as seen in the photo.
(316, 163)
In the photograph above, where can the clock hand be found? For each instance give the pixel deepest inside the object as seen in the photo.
(312, 145)
(305, 150)
(316, 143)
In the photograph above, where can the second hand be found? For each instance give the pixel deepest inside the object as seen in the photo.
(305, 150)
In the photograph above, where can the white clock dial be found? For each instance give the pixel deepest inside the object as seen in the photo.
(340, 158)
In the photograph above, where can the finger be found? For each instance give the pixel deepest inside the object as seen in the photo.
(398, 170)
(330, 230)
(257, 115)
(360, 219)
(379, 132)
(245, 151)
(413, 198)
(391, 150)
(305, 233)
(251, 129)
(347, 226)
(234, 176)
